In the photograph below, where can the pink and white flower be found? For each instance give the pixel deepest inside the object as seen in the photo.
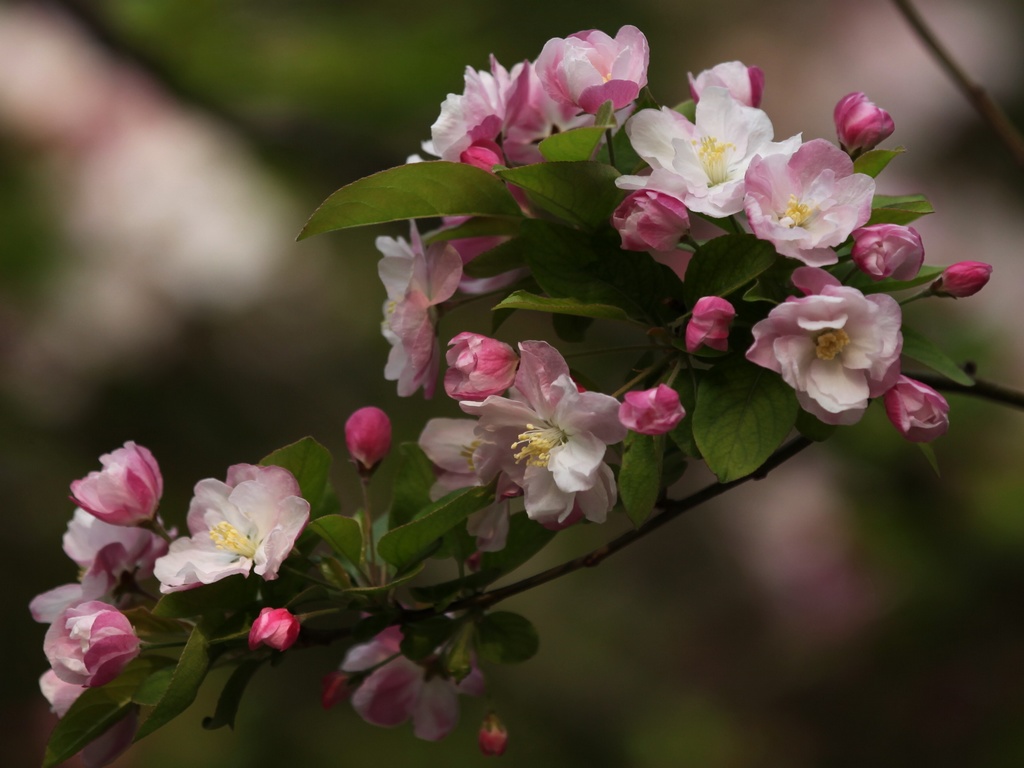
(126, 491)
(90, 643)
(248, 523)
(648, 220)
(402, 689)
(589, 68)
(709, 324)
(479, 367)
(417, 279)
(549, 438)
(277, 628)
(917, 411)
(745, 84)
(651, 411)
(807, 203)
(703, 163)
(888, 250)
(835, 346)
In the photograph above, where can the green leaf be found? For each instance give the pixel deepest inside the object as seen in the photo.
(344, 534)
(184, 684)
(687, 109)
(500, 259)
(577, 144)
(153, 629)
(413, 482)
(682, 434)
(478, 226)
(370, 626)
(873, 162)
(407, 544)
(231, 696)
(421, 638)
(310, 462)
(726, 264)
(743, 413)
(571, 328)
(929, 454)
(567, 306)
(640, 475)
(899, 210)
(917, 347)
(224, 595)
(414, 191)
(866, 285)
(775, 284)
(506, 638)
(813, 428)
(153, 688)
(583, 193)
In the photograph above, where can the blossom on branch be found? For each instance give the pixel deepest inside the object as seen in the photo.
(126, 491)
(745, 84)
(709, 325)
(965, 278)
(479, 367)
(90, 643)
(652, 411)
(648, 220)
(860, 125)
(888, 250)
(918, 412)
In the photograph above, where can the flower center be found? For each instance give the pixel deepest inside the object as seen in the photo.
(226, 536)
(538, 442)
(712, 155)
(467, 453)
(830, 343)
(796, 213)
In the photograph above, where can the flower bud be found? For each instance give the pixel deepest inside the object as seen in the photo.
(126, 491)
(652, 411)
(965, 278)
(276, 627)
(368, 436)
(651, 221)
(478, 367)
(709, 324)
(860, 124)
(90, 643)
(493, 737)
(917, 411)
(888, 250)
(483, 154)
(334, 688)
(745, 84)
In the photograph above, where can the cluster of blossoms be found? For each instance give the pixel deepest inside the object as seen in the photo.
(765, 281)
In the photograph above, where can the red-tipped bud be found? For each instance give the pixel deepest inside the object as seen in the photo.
(888, 250)
(334, 688)
(651, 221)
(709, 325)
(275, 627)
(479, 366)
(917, 411)
(860, 124)
(652, 411)
(368, 436)
(965, 278)
(493, 738)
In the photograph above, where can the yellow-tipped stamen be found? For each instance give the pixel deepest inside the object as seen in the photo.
(225, 536)
(830, 343)
(538, 442)
(713, 156)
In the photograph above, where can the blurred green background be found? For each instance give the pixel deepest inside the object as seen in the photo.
(157, 159)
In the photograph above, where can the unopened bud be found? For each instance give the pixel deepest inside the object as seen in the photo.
(965, 278)
(275, 627)
(860, 124)
(493, 738)
(368, 436)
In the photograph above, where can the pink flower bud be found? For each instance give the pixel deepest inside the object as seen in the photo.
(478, 367)
(334, 688)
(126, 491)
(276, 627)
(917, 411)
(860, 124)
(90, 643)
(493, 738)
(368, 436)
(483, 154)
(965, 278)
(652, 411)
(709, 324)
(745, 84)
(888, 250)
(651, 221)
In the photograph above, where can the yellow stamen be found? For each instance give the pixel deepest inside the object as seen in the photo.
(830, 343)
(713, 156)
(226, 536)
(538, 442)
(467, 453)
(796, 213)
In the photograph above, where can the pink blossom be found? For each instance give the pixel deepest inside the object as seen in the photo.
(450, 445)
(275, 627)
(648, 220)
(589, 68)
(709, 324)
(416, 279)
(651, 411)
(836, 347)
(402, 689)
(479, 366)
(106, 747)
(745, 84)
(248, 523)
(493, 736)
(917, 411)
(807, 203)
(368, 436)
(888, 250)
(90, 643)
(126, 491)
(861, 125)
(549, 438)
(965, 278)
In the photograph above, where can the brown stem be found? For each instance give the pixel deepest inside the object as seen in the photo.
(984, 390)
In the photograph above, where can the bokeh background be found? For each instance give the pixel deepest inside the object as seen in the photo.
(157, 159)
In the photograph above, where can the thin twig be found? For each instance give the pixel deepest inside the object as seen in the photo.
(984, 390)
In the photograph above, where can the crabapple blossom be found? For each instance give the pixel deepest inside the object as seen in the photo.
(861, 125)
(126, 491)
(275, 627)
(648, 220)
(807, 203)
(493, 736)
(888, 250)
(479, 366)
(106, 747)
(917, 411)
(248, 523)
(368, 436)
(703, 163)
(835, 346)
(402, 689)
(745, 84)
(652, 411)
(965, 278)
(709, 324)
(90, 643)
(416, 279)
